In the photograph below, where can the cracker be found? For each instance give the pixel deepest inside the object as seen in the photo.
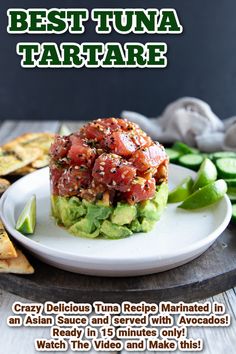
(18, 265)
(42, 161)
(7, 250)
(23, 171)
(4, 184)
(11, 160)
(41, 141)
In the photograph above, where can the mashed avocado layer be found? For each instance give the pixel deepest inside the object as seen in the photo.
(91, 220)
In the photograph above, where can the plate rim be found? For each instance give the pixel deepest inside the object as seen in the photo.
(39, 247)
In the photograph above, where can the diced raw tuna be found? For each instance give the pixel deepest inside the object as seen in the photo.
(113, 171)
(141, 189)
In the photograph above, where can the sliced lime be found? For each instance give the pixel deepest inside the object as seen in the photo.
(181, 192)
(205, 196)
(234, 213)
(206, 174)
(27, 219)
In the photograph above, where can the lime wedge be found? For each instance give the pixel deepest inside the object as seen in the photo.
(27, 219)
(207, 174)
(234, 213)
(181, 192)
(210, 194)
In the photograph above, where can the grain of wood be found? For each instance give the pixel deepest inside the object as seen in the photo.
(216, 340)
(73, 126)
(12, 129)
(20, 340)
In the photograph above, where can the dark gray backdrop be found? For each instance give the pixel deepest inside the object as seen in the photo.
(202, 63)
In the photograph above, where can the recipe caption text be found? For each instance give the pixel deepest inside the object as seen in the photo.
(133, 327)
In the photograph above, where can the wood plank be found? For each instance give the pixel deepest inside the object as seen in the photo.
(73, 125)
(211, 335)
(217, 340)
(21, 338)
(11, 129)
(26, 336)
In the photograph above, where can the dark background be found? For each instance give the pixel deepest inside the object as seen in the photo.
(201, 63)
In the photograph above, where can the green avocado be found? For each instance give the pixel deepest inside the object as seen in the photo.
(123, 214)
(144, 225)
(148, 209)
(147, 225)
(91, 220)
(160, 198)
(152, 209)
(54, 207)
(114, 231)
(136, 226)
(83, 228)
(70, 210)
(96, 212)
(85, 224)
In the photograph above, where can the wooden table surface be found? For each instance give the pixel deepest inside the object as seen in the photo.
(21, 340)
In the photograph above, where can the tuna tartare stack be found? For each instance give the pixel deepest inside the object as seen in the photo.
(108, 179)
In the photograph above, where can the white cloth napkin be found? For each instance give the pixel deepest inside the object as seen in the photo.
(192, 121)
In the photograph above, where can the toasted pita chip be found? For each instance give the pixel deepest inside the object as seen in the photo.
(7, 250)
(4, 184)
(42, 161)
(41, 141)
(23, 171)
(18, 265)
(11, 160)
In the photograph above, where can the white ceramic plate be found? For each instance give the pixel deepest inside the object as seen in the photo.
(177, 238)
